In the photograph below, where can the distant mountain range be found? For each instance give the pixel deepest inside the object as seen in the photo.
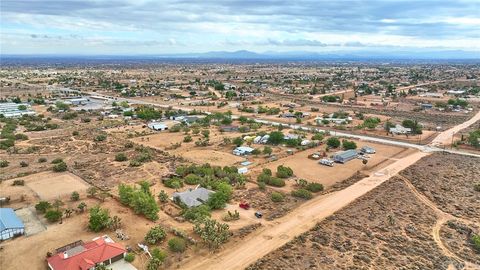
(244, 55)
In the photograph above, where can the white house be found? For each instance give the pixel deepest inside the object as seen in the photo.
(399, 129)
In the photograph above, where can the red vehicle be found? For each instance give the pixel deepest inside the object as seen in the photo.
(244, 205)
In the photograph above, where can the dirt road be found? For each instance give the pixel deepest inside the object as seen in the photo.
(446, 136)
(274, 235)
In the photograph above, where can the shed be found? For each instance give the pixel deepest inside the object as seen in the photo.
(10, 224)
(345, 156)
(242, 150)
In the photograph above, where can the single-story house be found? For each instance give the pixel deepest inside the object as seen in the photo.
(242, 150)
(192, 198)
(426, 106)
(399, 129)
(85, 256)
(367, 150)
(157, 126)
(78, 101)
(345, 156)
(331, 119)
(10, 224)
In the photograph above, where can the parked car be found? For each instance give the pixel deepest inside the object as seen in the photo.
(326, 162)
(258, 214)
(244, 205)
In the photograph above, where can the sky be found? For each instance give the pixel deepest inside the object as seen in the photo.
(134, 27)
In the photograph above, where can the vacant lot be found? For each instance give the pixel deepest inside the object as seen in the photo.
(448, 181)
(32, 223)
(50, 185)
(388, 228)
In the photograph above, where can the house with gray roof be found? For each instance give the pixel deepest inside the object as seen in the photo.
(344, 156)
(192, 198)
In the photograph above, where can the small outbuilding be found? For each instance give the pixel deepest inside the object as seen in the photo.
(345, 156)
(10, 224)
(158, 126)
(242, 150)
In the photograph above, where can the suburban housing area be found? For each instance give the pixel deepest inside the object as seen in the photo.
(216, 166)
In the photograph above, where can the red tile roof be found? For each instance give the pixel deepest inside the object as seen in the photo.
(96, 251)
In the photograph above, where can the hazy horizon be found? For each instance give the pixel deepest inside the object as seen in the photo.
(128, 27)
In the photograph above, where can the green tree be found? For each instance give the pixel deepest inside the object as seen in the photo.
(43, 206)
(276, 137)
(267, 150)
(99, 219)
(53, 215)
(277, 197)
(238, 141)
(349, 145)
(158, 257)
(120, 157)
(333, 142)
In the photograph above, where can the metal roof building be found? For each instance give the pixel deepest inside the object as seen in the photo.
(345, 156)
(10, 224)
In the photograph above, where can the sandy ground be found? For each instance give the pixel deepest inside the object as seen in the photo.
(272, 236)
(51, 185)
(33, 224)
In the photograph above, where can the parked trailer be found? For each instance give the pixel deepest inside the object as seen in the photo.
(326, 162)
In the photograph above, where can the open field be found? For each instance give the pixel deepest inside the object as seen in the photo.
(50, 185)
(388, 228)
(448, 181)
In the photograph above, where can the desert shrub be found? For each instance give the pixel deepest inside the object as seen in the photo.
(23, 164)
(192, 179)
(158, 257)
(284, 172)
(267, 171)
(177, 244)
(314, 187)
(476, 187)
(277, 197)
(173, 183)
(212, 232)
(42, 160)
(120, 157)
(187, 139)
(18, 182)
(155, 235)
(317, 136)
(276, 182)
(75, 133)
(53, 215)
(130, 257)
(129, 145)
(75, 196)
(163, 196)
(5, 144)
(302, 193)
(57, 160)
(475, 240)
(100, 138)
(21, 136)
(60, 167)
(4, 163)
(135, 163)
(43, 206)
(262, 185)
(196, 213)
(230, 216)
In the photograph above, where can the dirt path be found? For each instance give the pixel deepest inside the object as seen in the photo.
(274, 235)
(442, 218)
(445, 137)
